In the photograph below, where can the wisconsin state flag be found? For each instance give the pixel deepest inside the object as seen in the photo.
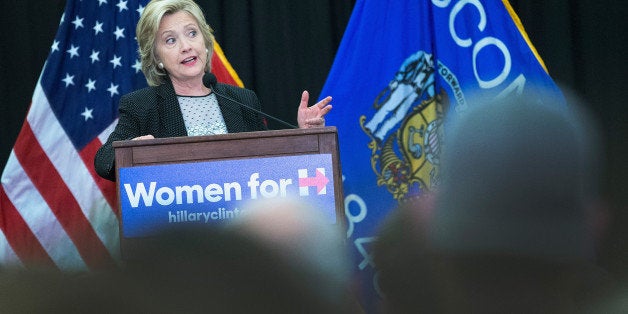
(401, 68)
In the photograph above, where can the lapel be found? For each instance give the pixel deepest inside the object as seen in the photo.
(170, 118)
(231, 111)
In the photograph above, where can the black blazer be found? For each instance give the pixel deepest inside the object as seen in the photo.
(156, 111)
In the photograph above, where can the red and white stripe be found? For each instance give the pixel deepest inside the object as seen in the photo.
(55, 210)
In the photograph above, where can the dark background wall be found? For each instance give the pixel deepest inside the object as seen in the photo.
(282, 47)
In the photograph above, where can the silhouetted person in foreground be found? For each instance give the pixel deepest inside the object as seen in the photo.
(511, 226)
(204, 270)
(311, 244)
(404, 262)
(222, 271)
(512, 223)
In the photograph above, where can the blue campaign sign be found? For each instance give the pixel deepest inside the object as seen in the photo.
(158, 196)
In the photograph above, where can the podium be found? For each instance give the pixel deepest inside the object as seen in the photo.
(204, 179)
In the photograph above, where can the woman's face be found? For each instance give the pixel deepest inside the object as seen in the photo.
(180, 47)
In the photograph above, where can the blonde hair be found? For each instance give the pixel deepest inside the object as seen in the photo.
(146, 32)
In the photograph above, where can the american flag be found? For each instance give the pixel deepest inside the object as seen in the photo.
(55, 211)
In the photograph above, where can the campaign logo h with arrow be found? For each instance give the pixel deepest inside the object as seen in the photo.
(319, 181)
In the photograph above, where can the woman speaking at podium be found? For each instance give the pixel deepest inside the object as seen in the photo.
(176, 46)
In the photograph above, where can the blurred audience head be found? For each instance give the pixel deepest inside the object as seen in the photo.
(194, 270)
(310, 242)
(519, 175)
(282, 257)
(513, 219)
(406, 274)
(182, 270)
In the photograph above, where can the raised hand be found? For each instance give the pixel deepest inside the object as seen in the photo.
(314, 116)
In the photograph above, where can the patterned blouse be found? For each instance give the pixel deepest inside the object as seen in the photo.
(202, 115)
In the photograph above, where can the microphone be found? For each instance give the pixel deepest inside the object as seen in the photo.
(209, 80)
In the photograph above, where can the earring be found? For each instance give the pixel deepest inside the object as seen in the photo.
(160, 65)
(206, 50)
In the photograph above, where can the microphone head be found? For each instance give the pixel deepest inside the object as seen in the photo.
(209, 79)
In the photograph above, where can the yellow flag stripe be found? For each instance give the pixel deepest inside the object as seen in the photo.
(517, 21)
(218, 51)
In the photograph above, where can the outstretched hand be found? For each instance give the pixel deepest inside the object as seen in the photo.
(144, 137)
(314, 116)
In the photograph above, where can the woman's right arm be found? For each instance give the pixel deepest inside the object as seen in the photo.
(128, 127)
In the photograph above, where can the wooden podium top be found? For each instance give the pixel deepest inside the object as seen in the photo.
(227, 146)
